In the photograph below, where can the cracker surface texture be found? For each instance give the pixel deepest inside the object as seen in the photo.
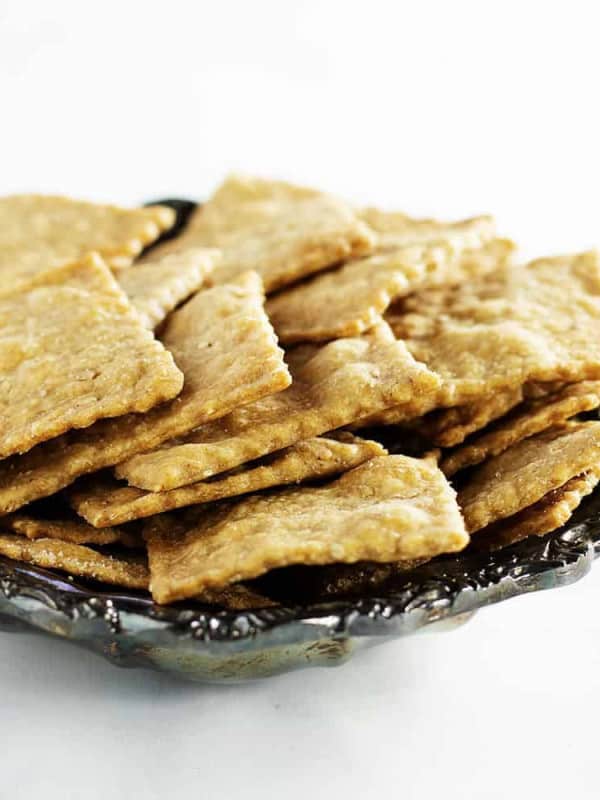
(67, 530)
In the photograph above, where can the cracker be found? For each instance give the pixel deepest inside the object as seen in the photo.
(237, 597)
(539, 322)
(281, 231)
(159, 284)
(72, 351)
(391, 508)
(127, 570)
(68, 530)
(550, 513)
(523, 474)
(226, 348)
(350, 300)
(527, 419)
(343, 381)
(103, 501)
(39, 232)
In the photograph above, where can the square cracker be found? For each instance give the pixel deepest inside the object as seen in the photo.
(281, 231)
(72, 350)
(226, 348)
(157, 286)
(527, 471)
(390, 508)
(526, 419)
(550, 513)
(341, 382)
(39, 232)
(348, 301)
(68, 530)
(103, 501)
(76, 559)
(538, 322)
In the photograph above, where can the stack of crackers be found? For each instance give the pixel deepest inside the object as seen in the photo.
(186, 414)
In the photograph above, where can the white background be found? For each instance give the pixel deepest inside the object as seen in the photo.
(446, 108)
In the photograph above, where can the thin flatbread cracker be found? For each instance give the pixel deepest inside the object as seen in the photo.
(391, 508)
(39, 232)
(281, 231)
(103, 501)
(226, 348)
(550, 513)
(350, 300)
(539, 322)
(67, 530)
(127, 570)
(343, 381)
(237, 597)
(157, 286)
(526, 419)
(72, 351)
(526, 472)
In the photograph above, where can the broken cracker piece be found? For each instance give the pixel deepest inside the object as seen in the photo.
(237, 597)
(130, 571)
(343, 381)
(67, 530)
(226, 348)
(72, 351)
(39, 232)
(526, 419)
(391, 508)
(158, 285)
(103, 501)
(281, 231)
(527, 471)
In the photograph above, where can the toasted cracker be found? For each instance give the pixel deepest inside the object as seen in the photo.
(38, 233)
(103, 501)
(550, 513)
(281, 231)
(389, 509)
(226, 348)
(237, 597)
(352, 299)
(539, 322)
(68, 530)
(527, 419)
(159, 284)
(72, 351)
(343, 381)
(523, 474)
(130, 571)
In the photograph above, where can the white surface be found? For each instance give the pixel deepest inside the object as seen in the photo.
(447, 108)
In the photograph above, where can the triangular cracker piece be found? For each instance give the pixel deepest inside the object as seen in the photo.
(226, 348)
(103, 501)
(343, 381)
(157, 286)
(550, 513)
(39, 232)
(123, 570)
(527, 471)
(538, 322)
(526, 419)
(281, 231)
(390, 508)
(68, 530)
(72, 351)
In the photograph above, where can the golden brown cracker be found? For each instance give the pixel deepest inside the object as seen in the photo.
(344, 381)
(159, 284)
(553, 511)
(72, 351)
(226, 348)
(281, 231)
(539, 322)
(526, 419)
(39, 232)
(389, 509)
(103, 501)
(67, 530)
(527, 471)
(127, 570)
